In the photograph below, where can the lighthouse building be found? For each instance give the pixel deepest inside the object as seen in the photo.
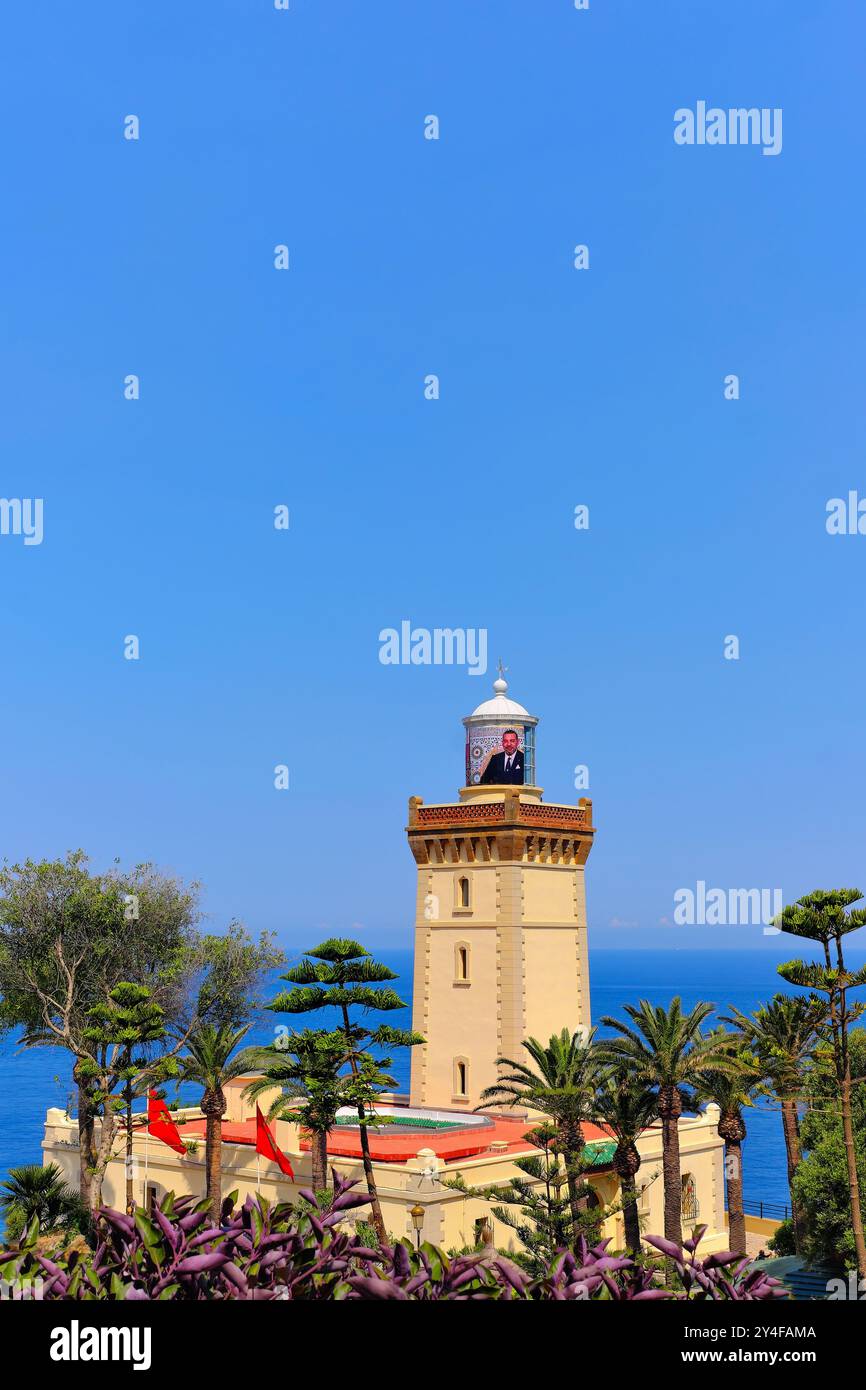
(500, 956)
(500, 919)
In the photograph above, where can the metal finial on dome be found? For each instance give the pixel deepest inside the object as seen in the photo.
(500, 705)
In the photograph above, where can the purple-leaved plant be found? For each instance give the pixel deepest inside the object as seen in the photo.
(283, 1252)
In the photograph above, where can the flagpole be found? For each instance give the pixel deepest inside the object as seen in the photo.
(146, 1143)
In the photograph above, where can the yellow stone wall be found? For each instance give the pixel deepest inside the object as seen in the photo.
(525, 930)
(449, 1218)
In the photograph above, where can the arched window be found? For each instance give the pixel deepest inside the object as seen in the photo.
(690, 1206)
(594, 1205)
(462, 894)
(461, 1078)
(461, 963)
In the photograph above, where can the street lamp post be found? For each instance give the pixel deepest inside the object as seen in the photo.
(417, 1215)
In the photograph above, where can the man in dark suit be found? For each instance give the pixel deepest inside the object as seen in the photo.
(506, 768)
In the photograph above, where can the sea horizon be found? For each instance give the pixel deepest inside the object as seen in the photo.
(32, 1080)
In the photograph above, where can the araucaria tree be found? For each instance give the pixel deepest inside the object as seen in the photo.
(822, 917)
(123, 1031)
(342, 975)
(535, 1203)
(308, 1068)
(821, 1183)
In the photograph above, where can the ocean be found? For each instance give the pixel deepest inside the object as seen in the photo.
(32, 1080)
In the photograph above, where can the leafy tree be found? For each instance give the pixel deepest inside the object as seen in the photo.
(308, 1067)
(67, 939)
(341, 974)
(821, 1180)
(626, 1106)
(560, 1085)
(52, 915)
(666, 1050)
(70, 938)
(782, 1035)
(822, 917)
(236, 968)
(33, 1191)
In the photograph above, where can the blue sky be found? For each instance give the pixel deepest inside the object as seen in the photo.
(558, 387)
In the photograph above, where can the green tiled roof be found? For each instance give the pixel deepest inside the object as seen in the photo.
(600, 1152)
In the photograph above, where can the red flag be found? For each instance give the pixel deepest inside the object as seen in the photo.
(161, 1125)
(266, 1145)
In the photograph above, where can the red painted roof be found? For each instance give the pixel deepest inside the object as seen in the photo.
(450, 1145)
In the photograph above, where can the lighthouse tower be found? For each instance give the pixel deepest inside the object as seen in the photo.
(500, 924)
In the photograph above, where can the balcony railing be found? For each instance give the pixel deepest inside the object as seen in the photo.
(771, 1211)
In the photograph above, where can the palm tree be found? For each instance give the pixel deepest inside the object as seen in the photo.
(821, 916)
(209, 1062)
(562, 1086)
(732, 1090)
(34, 1190)
(668, 1053)
(783, 1035)
(626, 1106)
(308, 1068)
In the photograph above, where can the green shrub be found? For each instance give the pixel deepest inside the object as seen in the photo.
(781, 1242)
